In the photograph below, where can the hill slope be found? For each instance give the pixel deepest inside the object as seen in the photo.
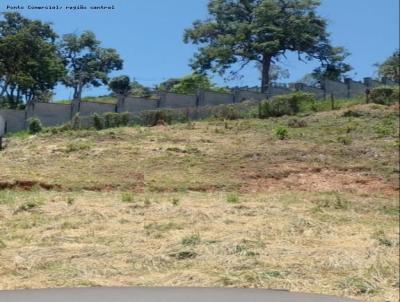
(211, 203)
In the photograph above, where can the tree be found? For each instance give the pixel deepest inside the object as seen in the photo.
(308, 79)
(242, 31)
(334, 68)
(140, 90)
(276, 72)
(190, 84)
(88, 64)
(390, 68)
(30, 65)
(120, 85)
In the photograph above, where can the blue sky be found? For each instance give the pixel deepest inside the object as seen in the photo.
(148, 35)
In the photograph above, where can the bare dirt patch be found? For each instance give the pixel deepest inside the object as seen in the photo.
(315, 179)
(28, 185)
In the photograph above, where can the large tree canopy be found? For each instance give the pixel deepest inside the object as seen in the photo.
(189, 84)
(88, 64)
(391, 67)
(30, 65)
(242, 31)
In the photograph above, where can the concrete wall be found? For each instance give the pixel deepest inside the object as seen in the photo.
(210, 98)
(319, 93)
(355, 88)
(243, 95)
(338, 89)
(137, 105)
(199, 105)
(15, 120)
(370, 83)
(274, 91)
(175, 100)
(50, 114)
(88, 108)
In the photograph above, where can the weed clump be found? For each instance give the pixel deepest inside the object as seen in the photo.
(127, 197)
(281, 133)
(233, 198)
(296, 123)
(34, 125)
(191, 240)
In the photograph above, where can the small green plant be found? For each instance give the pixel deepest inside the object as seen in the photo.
(345, 140)
(333, 201)
(232, 198)
(127, 197)
(381, 238)
(191, 240)
(175, 201)
(76, 146)
(27, 207)
(34, 125)
(70, 201)
(182, 255)
(296, 123)
(383, 130)
(357, 285)
(97, 122)
(281, 133)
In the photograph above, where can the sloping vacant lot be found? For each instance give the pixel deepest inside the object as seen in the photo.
(208, 204)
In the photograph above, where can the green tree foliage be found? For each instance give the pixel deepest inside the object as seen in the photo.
(242, 31)
(140, 90)
(189, 84)
(30, 65)
(120, 85)
(333, 68)
(88, 64)
(391, 67)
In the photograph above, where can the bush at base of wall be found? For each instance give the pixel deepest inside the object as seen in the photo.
(385, 95)
(290, 104)
(34, 126)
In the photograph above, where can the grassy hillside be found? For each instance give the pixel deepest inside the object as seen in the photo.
(212, 203)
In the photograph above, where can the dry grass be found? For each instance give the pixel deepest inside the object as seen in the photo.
(217, 204)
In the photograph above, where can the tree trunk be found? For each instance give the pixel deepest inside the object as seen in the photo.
(266, 65)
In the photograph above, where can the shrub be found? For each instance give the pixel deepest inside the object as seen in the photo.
(111, 120)
(97, 122)
(296, 123)
(227, 112)
(285, 105)
(34, 125)
(385, 95)
(125, 117)
(281, 133)
(154, 117)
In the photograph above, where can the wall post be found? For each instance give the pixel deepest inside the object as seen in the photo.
(200, 96)
(120, 106)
